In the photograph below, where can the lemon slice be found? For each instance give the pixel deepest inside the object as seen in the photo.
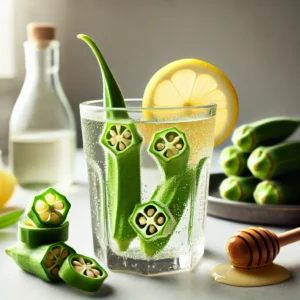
(193, 82)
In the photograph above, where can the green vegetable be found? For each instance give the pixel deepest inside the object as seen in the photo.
(265, 132)
(234, 161)
(270, 162)
(44, 261)
(49, 209)
(171, 149)
(122, 142)
(281, 190)
(172, 194)
(238, 188)
(9, 216)
(34, 236)
(83, 273)
(123, 145)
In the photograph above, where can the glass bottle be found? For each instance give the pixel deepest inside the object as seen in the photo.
(42, 131)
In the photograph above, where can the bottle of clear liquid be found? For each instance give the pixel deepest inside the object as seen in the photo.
(42, 132)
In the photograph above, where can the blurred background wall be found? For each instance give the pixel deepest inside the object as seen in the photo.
(255, 42)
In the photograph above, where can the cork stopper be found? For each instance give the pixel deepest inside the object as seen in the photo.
(41, 34)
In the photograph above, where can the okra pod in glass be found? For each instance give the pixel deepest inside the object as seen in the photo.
(49, 209)
(282, 190)
(265, 132)
(34, 236)
(238, 188)
(171, 150)
(234, 162)
(83, 273)
(44, 261)
(122, 142)
(273, 161)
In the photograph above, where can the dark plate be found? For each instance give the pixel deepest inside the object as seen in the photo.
(278, 215)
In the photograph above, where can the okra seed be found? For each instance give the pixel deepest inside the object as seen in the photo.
(112, 133)
(81, 260)
(64, 254)
(45, 216)
(170, 137)
(90, 274)
(50, 256)
(121, 146)
(76, 263)
(161, 220)
(41, 206)
(179, 146)
(152, 229)
(170, 153)
(118, 127)
(142, 220)
(176, 140)
(50, 198)
(49, 263)
(160, 146)
(54, 271)
(150, 212)
(127, 134)
(96, 272)
(79, 268)
(59, 205)
(55, 218)
(56, 251)
(113, 141)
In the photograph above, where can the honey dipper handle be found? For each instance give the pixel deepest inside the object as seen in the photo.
(289, 237)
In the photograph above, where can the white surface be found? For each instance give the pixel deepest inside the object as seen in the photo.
(15, 284)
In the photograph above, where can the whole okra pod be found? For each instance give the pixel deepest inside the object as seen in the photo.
(122, 143)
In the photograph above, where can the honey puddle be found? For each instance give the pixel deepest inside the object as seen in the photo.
(269, 275)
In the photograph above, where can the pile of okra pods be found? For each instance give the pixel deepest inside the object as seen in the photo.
(41, 249)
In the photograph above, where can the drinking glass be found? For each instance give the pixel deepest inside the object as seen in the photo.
(148, 182)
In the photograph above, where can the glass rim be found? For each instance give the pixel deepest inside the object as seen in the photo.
(91, 105)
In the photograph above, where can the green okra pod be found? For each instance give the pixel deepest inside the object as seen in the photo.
(171, 150)
(238, 188)
(48, 209)
(122, 143)
(83, 273)
(265, 132)
(34, 236)
(44, 261)
(270, 162)
(282, 190)
(234, 162)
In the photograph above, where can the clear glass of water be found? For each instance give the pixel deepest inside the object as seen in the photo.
(148, 181)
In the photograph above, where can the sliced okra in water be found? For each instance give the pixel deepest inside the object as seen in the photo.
(34, 236)
(43, 261)
(122, 143)
(49, 209)
(171, 150)
(82, 272)
(152, 220)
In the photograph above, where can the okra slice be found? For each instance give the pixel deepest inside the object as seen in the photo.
(152, 220)
(34, 236)
(239, 189)
(49, 209)
(122, 143)
(171, 149)
(43, 261)
(83, 273)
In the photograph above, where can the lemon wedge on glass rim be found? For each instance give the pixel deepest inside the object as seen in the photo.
(193, 82)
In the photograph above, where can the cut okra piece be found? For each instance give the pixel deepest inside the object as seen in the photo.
(122, 143)
(234, 162)
(282, 190)
(237, 188)
(49, 209)
(34, 236)
(174, 194)
(43, 261)
(152, 220)
(171, 149)
(83, 273)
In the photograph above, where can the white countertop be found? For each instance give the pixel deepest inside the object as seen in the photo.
(15, 284)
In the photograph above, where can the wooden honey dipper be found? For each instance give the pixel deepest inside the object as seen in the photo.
(257, 247)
